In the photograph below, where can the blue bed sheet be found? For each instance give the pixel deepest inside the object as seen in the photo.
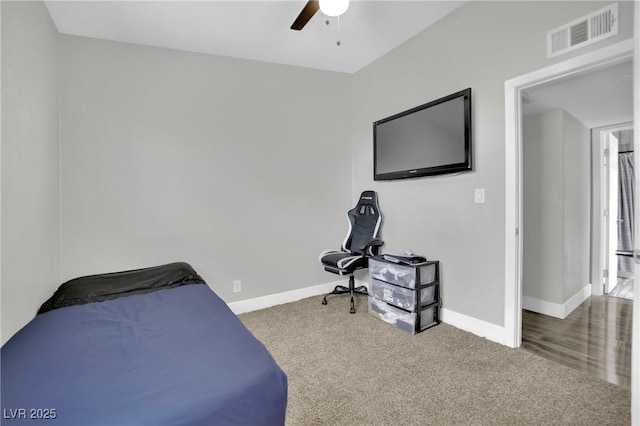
(175, 356)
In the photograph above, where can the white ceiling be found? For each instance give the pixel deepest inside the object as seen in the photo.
(597, 98)
(258, 30)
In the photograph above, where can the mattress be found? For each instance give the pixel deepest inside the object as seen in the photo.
(167, 356)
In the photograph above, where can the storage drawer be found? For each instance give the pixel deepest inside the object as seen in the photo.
(402, 297)
(402, 275)
(413, 322)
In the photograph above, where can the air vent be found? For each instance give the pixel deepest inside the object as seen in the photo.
(594, 27)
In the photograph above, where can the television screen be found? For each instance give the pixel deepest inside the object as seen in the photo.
(431, 139)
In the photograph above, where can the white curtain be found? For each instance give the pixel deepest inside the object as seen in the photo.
(625, 210)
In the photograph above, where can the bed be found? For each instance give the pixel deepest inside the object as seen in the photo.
(154, 346)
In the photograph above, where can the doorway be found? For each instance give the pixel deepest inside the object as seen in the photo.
(514, 89)
(577, 180)
(616, 144)
(523, 90)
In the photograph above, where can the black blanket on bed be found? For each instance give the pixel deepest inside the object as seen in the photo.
(97, 288)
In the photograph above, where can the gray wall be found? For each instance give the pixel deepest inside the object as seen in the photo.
(556, 206)
(577, 205)
(245, 169)
(30, 178)
(543, 223)
(479, 45)
(240, 168)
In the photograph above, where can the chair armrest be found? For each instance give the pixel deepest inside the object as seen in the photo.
(372, 246)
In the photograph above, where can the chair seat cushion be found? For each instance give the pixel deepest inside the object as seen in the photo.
(340, 262)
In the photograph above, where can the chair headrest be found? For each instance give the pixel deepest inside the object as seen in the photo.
(368, 197)
(364, 220)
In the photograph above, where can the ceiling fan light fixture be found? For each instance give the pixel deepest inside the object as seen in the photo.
(334, 7)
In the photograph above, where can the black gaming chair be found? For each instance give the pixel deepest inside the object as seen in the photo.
(360, 243)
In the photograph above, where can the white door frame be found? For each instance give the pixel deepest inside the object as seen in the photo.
(611, 201)
(606, 56)
(635, 331)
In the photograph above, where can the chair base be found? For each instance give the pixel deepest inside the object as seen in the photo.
(352, 289)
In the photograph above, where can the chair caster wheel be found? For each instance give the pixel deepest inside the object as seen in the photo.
(352, 311)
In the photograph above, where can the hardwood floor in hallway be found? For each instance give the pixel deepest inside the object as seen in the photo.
(595, 338)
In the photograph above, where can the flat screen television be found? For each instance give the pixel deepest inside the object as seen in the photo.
(430, 139)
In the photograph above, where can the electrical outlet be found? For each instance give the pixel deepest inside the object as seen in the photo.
(237, 286)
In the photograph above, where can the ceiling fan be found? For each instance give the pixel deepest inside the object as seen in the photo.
(328, 7)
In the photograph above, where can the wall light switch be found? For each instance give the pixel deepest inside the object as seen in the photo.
(479, 196)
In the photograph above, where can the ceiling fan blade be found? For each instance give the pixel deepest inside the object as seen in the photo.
(308, 11)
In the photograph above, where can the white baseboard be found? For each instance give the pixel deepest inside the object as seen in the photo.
(480, 328)
(557, 310)
(540, 306)
(263, 302)
(490, 331)
(576, 300)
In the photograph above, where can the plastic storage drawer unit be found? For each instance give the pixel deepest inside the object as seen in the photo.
(413, 322)
(402, 297)
(403, 275)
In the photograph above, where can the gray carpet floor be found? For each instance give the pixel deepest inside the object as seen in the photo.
(348, 369)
